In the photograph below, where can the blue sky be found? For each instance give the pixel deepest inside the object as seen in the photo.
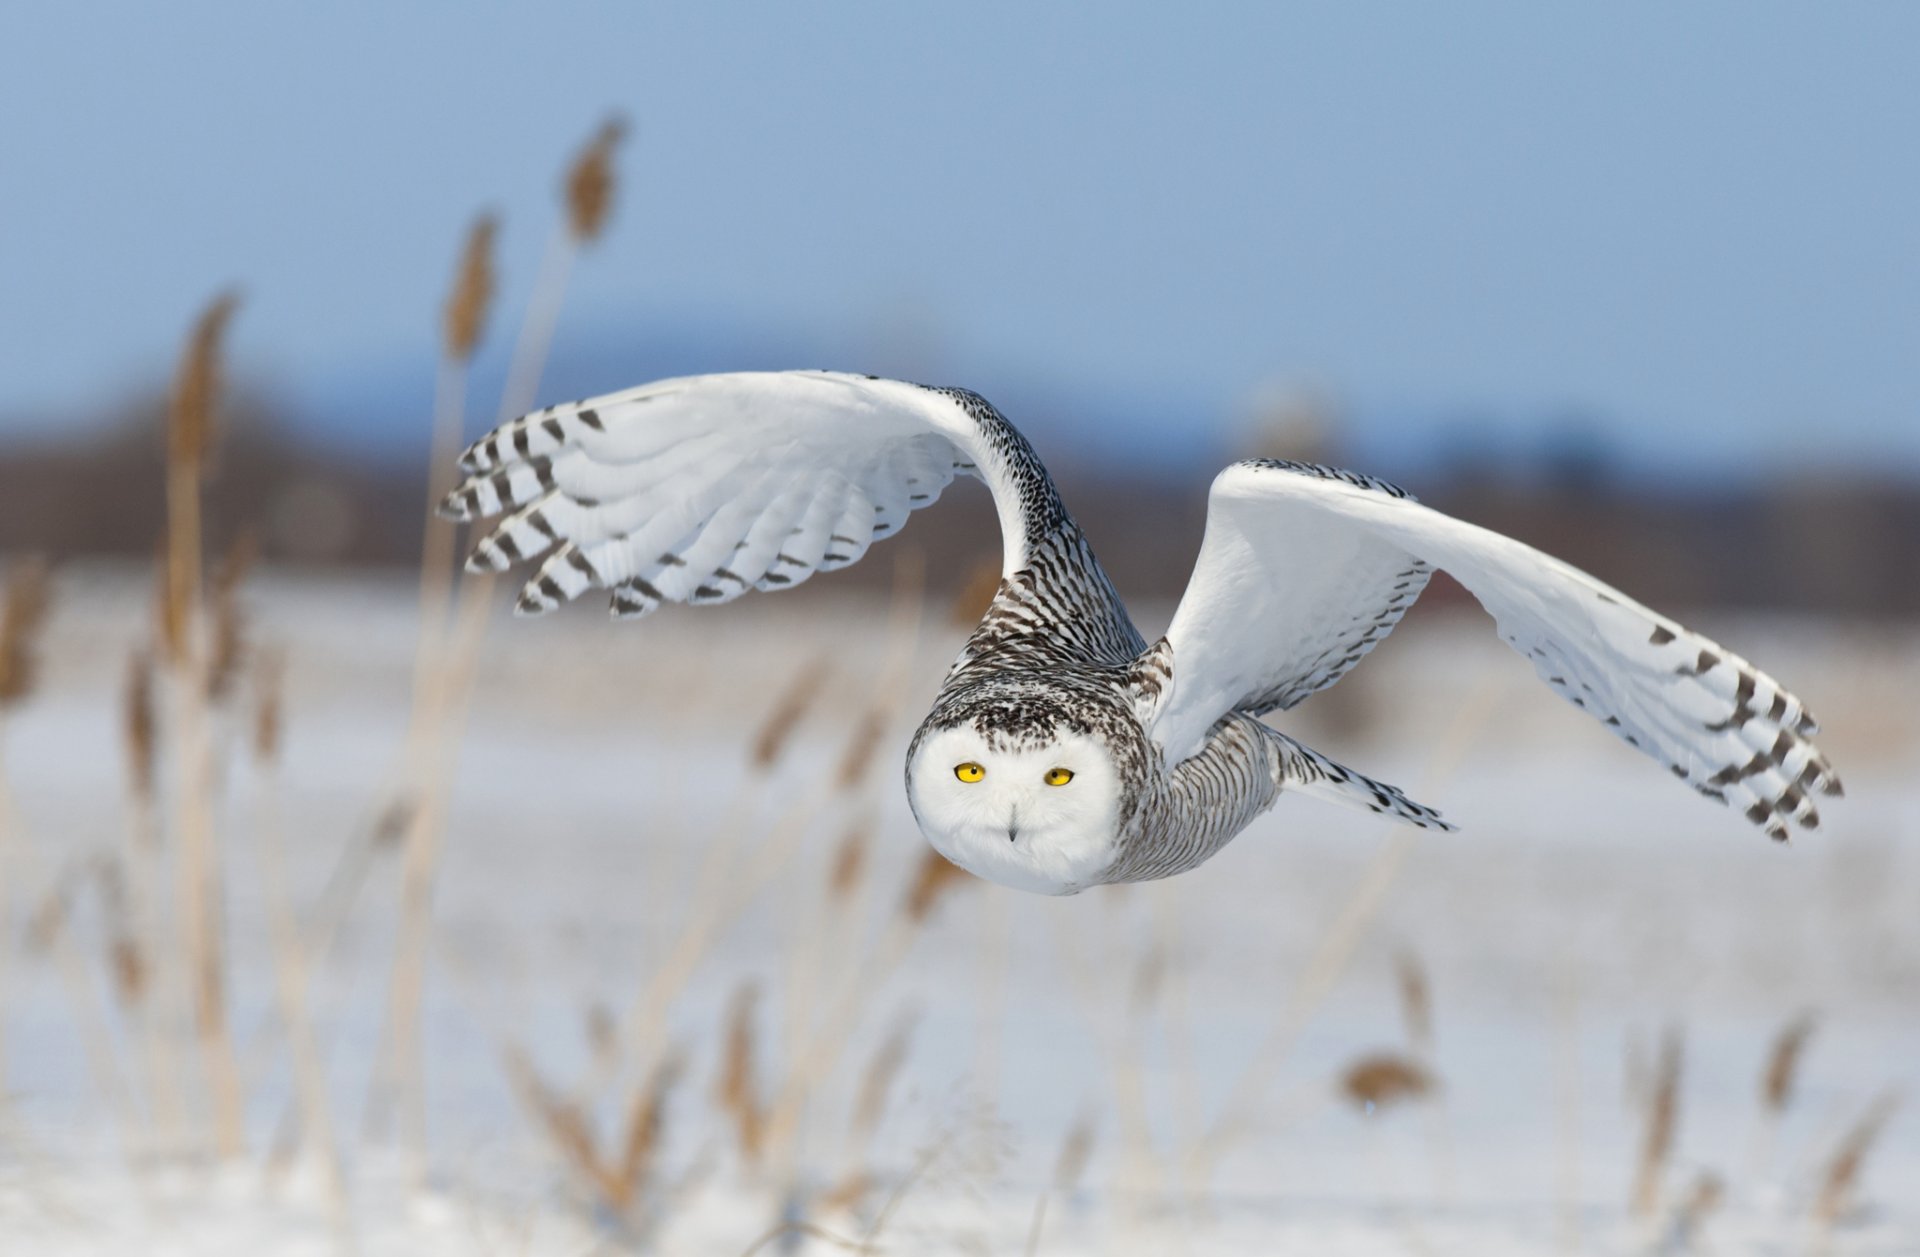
(1695, 227)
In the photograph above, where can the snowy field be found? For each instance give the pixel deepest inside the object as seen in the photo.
(1161, 1066)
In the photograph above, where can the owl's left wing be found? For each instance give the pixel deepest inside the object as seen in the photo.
(699, 489)
(1305, 569)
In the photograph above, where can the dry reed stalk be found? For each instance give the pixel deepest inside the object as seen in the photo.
(139, 729)
(21, 618)
(290, 966)
(1138, 1171)
(1381, 1080)
(994, 956)
(1841, 1182)
(443, 690)
(1337, 946)
(735, 1090)
(192, 426)
(1567, 1092)
(49, 932)
(786, 1230)
(1075, 1151)
(619, 1181)
(1663, 1121)
(876, 1085)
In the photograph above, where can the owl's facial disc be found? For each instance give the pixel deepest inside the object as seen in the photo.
(1036, 814)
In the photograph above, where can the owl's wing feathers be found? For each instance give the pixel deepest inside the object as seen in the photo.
(1305, 569)
(699, 489)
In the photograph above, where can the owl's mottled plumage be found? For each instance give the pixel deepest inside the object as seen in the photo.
(699, 489)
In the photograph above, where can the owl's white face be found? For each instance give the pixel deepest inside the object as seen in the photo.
(1041, 820)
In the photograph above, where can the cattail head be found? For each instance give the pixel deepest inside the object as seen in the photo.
(777, 729)
(1783, 1063)
(22, 616)
(1841, 1182)
(590, 182)
(735, 1091)
(193, 422)
(935, 876)
(138, 725)
(1382, 1079)
(465, 317)
(1663, 1120)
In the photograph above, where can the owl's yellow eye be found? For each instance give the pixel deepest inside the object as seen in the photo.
(969, 771)
(1059, 776)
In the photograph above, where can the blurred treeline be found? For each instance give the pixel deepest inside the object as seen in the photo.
(1826, 541)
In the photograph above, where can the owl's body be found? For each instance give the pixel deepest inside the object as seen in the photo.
(1063, 751)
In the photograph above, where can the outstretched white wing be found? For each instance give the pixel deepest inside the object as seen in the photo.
(699, 489)
(1305, 569)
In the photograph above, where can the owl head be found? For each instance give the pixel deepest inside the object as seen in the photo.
(1025, 792)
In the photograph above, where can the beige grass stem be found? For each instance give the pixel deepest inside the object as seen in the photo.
(191, 428)
(1330, 958)
(290, 969)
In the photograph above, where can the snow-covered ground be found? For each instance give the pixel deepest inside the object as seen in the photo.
(1192, 1031)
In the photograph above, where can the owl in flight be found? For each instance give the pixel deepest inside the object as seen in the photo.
(1063, 750)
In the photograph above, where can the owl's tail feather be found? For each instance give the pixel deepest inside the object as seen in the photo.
(1304, 770)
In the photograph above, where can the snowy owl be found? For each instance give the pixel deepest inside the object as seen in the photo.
(1063, 751)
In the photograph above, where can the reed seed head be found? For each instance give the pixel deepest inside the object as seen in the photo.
(1841, 1183)
(736, 1092)
(229, 621)
(1663, 1121)
(859, 755)
(934, 877)
(982, 586)
(1783, 1063)
(193, 423)
(22, 617)
(776, 731)
(646, 1131)
(1382, 1079)
(1076, 1150)
(870, 1104)
(465, 318)
(590, 182)
(268, 706)
(138, 725)
(849, 861)
(1416, 1000)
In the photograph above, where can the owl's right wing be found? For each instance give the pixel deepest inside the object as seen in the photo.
(701, 488)
(1304, 569)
